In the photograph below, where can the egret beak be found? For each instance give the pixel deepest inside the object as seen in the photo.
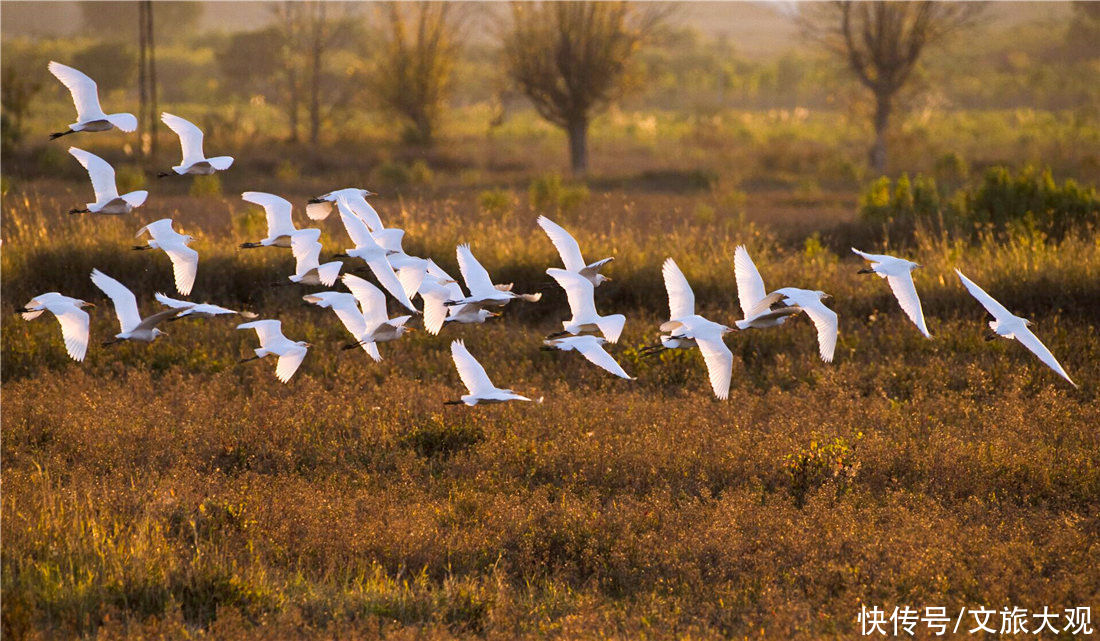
(317, 201)
(369, 194)
(866, 270)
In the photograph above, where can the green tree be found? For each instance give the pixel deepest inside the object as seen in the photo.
(571, 60)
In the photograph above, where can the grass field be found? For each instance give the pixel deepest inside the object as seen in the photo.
(166, 491)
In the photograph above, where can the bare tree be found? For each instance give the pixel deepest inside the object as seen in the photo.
(413, 77)
(882, 43)
(571, 60)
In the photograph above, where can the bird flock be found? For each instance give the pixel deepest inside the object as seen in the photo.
(362, 309)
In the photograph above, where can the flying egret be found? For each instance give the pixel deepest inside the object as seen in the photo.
(185, 261)
(483, 293)
(1007, 325)
(477, 381)
(811, 302)
(196, 310)
(437, 290)
(107, 200)
(305, 245)
(687, 329)
(73, 319)
(570, 252)
(580, 292)
(133, 326)
(750, 293)
(367, 249)
(280, 223)
(353, 198)
(378, 326)
(290, 353)
(590, 347)
(89, 115)
(194, 161)
(898, 273)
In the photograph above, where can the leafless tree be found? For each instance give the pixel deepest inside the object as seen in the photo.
(571, 59)
(882, 43)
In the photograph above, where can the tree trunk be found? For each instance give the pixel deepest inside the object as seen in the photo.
(153, 118)
(578, 146)
(883, 107)
(318, 49)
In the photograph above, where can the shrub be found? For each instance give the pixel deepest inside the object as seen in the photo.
(207, 186)
(885, 200)
(809, 469)
(495, 202)
(1003, 199)
(398, 174)
(551, 192)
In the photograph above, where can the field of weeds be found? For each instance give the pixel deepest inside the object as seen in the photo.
(166, 491)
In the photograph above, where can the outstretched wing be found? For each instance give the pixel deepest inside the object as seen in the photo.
(267, 330)
(190, 137)
(1032, 342)
(566, 245)
(101, 173)
(750, 286)
(161, 230)
(361, 208)
(825, 320)
(578, 290)
(477, 279)
(289, 363)
(84, 91)
(74, 329)
(306, 250)
(126, 307)
(370, 298)
(185, 265)
(435, 306)
(356, 228)
(277, 210)
(598, 356)
(346, 308)
(992, 306)
(469, 370)
(681, 300)
(874, 258)
(719, 362)
(906, 293)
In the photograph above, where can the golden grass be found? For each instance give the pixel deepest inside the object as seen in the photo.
(161, 490)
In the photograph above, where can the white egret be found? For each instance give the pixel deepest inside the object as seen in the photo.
(687, 329)
(591, 347)
(750, 293)
(194, 161)
(197, 310)
(185, 261)
(367, 249)
(133, 326)
(305, 245)
(74, 320)
(1007, 325)
(580, 291)
(483, 293)
(810, 301)
(107, 200)
(89, 115)
(437, 290)
(280, 223)
(378, 326)
(898, 273)
(477, 381)
(570, 252)
(290, 353)
(354, 199)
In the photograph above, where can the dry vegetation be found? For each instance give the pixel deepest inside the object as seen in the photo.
(162, 490)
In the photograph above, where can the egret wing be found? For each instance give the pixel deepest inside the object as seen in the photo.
(190, 137)
(681, 300)
(101, 173)
(370, 298)
(825, 320)
(988, 302)
(564, 242)
(362, 209)
(477, 278)
(277, 211)
(185, 265)
(598, 356)
(267, 331)
(1032, 342)
(750, 286)
(74, 329)
(906, 293)
(719, 362)
(289, 363)
(122, 298)
(84, 90)
(469, 370)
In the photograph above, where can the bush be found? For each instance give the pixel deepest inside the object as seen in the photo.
(1003, 199)
(809, 469)
(551, 192)
(901, 200)
(495, 202)
(207, 186)
(397, 174)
